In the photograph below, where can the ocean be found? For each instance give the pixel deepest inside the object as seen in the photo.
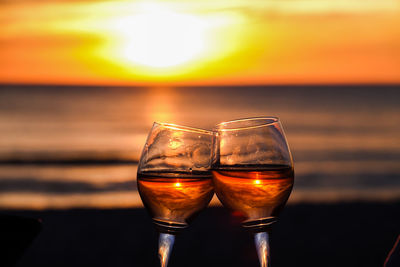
(78, 147)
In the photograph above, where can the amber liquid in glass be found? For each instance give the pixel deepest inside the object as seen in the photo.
(174, 199)
(258, 193)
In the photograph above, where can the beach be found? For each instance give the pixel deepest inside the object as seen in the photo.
(341, 234)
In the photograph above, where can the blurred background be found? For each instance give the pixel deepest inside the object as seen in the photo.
(63, 147)
(81, 83)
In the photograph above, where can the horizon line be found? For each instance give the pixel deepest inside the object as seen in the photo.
(282, 85)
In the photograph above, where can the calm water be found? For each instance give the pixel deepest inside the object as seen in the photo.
(78, 147)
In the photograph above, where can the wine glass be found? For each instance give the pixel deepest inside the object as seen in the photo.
(253, 174)
(174, 179)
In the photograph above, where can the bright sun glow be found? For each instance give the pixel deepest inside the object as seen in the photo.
(136, 40)
(160, 37)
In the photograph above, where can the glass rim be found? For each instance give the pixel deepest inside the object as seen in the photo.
(265, 121)
(183, 128)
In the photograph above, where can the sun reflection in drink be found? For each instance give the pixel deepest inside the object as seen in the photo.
(174, 199)
(255, 194)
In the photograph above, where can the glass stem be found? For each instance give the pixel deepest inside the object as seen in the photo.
(262, 246)
(165, 244)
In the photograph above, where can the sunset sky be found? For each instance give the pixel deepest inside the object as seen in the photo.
(208, 42)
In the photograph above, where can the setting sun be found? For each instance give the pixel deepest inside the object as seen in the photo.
(160, 38)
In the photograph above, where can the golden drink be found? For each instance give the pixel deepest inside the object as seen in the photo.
(257, 193)
(173, 199)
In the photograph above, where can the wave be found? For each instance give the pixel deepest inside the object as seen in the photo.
(67, 161)
(343, 155)
(63, 187)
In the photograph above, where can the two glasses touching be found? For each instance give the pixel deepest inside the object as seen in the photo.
(247, 162)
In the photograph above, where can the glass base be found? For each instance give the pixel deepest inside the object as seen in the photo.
(169, 227)
(260, 225)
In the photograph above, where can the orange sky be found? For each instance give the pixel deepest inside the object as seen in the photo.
(204, 42)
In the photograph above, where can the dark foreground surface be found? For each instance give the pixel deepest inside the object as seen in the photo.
(349, 234)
